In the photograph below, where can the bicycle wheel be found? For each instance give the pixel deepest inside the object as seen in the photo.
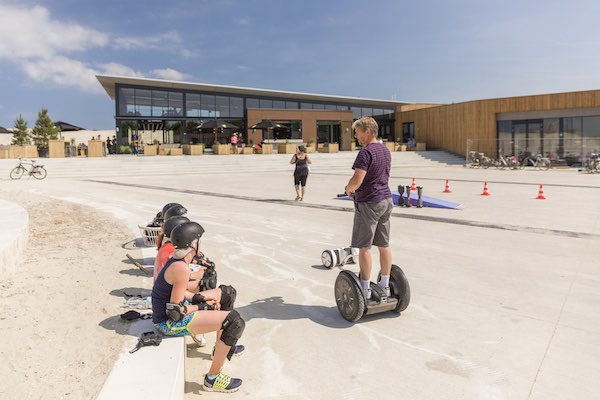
(547, 164)
(38, 172)
(17, 172)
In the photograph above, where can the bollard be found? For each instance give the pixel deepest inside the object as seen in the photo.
(401, 197)
(408, 196)
(420, 197)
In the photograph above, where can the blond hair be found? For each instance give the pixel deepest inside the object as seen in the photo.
(366, 123)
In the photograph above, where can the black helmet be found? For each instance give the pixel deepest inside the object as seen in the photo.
(183, 235)
(167, 206)
(174, 211)
(172, 223)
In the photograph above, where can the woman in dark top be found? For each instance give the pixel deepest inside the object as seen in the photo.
(301, 172)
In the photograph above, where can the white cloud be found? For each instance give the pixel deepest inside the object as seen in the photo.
(31, 39)
(168, 74)
(242, 21)
(30, 33)
(157, 41)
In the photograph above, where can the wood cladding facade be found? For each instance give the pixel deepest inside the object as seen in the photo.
(449, 126)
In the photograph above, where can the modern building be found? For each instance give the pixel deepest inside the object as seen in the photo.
(171, 111)
(563, 126)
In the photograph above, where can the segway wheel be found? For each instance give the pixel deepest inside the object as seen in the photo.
(349, 298)
(400, 288)
(328, 258)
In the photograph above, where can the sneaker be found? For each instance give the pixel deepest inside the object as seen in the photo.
(297, 198)
(221, 383)
(387, 291)
(368, 294)
(199, 340)
(239, 349)
(300, 199)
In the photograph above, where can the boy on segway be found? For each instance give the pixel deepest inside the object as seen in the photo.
(373, 203)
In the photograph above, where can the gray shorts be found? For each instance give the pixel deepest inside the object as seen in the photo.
(372, 224)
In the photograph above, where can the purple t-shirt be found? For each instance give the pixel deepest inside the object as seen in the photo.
(376, 159)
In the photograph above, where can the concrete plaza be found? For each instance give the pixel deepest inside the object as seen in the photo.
(505, 292)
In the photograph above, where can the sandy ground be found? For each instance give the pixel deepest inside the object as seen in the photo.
(63, 305)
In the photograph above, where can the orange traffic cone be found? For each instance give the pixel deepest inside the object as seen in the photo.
(541, 194)
(447, 189)
(485, 190)
(413, 186)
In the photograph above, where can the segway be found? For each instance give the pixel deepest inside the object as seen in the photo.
(351, 301)
(339, 257)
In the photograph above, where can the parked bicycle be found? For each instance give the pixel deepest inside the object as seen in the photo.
(538, 162)
(506, 162)
(37, 171)
(477, 159)
(591, 165)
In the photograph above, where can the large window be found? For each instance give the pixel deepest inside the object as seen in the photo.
(192, 104)
(236, 107)
(264, 103)
(222, 106)
(126, 101)
(143, 102)
(208, 107)
(252, 103)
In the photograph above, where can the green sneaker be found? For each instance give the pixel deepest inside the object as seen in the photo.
(221, 383)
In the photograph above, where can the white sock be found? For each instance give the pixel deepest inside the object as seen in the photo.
(384, 281)
(365, 285)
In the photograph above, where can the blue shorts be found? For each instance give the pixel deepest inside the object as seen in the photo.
(170, 328)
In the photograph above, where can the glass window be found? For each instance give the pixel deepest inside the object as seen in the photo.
(222, 106)
(266, 103)
(192, 104)
(251, 103)
(367, 111)
(318, 106)
(390, 113)
(126, 101)
(160, 103)
(175, 104)
(551, 142)
(143, 102)
(236, 107)
(355, 112)
(378, 112)
(293, 105)
(342, 108)
(306, 106)
(208, 105)
(591, 126)
(572, 137)
(278, 104)
(330, 107)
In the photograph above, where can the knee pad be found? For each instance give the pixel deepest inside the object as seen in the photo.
(233, 327)
(228, 295)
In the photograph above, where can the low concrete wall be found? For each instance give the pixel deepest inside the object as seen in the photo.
(14, 234)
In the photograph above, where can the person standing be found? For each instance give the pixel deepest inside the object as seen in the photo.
(134, 143)
(234, 142)
(373, 203)
(302, 161)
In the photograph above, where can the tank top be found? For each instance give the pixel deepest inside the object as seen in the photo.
(161, 295)
(301, 166)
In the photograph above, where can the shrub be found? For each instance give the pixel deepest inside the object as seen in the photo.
(124, 149)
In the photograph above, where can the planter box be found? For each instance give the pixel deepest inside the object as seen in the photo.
(221, 149)
(353, 146)
(151, 150)
(391, 146)
(401, 147)
(266, 149)
(311, 149)
(246, 150)
(96, 148)
(193, 149)
(286, 148)
(330, 148)
(421, 147)
(13, 151)
(175, 152)
(56, 148)
(5, 152)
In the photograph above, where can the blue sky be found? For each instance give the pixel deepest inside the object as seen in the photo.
(421, 51)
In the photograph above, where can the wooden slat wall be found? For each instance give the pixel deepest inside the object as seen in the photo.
(449, 126)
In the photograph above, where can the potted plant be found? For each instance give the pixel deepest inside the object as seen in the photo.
(286, 147)
(310, 146)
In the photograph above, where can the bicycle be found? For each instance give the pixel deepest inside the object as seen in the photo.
(479, 160)
(37, 171)
(591, 165)
(539, 162)
(507, 162)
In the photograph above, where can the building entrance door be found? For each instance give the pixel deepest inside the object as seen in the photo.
(328, 132)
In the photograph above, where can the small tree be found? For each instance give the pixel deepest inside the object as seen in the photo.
(21, 134)
(44, 130)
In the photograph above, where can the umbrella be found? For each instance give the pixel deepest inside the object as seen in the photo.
(268, 124)
(215, 124)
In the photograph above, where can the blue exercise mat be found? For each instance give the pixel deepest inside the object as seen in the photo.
(427, 201)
